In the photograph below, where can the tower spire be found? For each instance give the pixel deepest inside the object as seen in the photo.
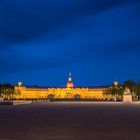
(70, 83)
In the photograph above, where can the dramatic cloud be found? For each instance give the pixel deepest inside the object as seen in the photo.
(23, 22)
(91, 37)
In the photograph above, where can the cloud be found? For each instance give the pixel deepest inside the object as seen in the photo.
(20, 23)
(36, 35)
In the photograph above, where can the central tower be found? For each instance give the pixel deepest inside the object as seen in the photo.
(70, 83)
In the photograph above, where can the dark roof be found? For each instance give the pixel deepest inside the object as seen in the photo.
(45, 87)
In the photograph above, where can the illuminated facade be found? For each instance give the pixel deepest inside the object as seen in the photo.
(60, 93)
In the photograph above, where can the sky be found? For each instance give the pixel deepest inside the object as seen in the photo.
(98, 41)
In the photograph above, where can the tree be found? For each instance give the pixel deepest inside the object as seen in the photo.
(130, 84)
(114, 91)
(138, 90)
(134, 88)
(0, 90)
(8, 92)
(17, 93)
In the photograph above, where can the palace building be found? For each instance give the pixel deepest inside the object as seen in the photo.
(68, 92)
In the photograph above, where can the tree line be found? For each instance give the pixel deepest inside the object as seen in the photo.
(134, 87)
(8, 91)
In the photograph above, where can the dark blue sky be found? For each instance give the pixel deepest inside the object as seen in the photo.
(42, 41)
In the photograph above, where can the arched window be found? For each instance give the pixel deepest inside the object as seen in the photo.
(77, 96)
(50, 96)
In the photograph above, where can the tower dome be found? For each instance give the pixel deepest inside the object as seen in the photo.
(70, 83)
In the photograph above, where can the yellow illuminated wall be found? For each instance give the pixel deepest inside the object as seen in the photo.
(31, 92)
(60, 93)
